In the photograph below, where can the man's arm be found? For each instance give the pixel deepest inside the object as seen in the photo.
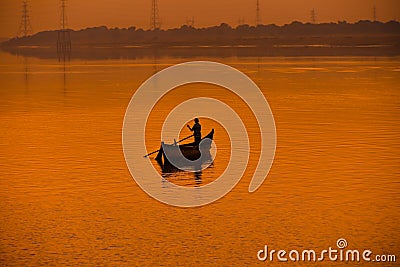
(191, 129)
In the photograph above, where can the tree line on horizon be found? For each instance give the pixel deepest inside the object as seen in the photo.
(223, 33)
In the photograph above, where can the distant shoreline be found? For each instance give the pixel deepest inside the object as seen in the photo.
(364, 38)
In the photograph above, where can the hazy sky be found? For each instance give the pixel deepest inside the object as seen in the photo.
(173, 13)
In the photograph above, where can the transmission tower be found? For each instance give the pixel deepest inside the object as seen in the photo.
(64, 39)
(241, 21)
(374, 12)
(25, 27)
(258, 16)
(190, 22)
(313, 16)
(63, 15)
(154, 18)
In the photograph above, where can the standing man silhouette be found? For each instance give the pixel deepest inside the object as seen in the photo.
(196, 129)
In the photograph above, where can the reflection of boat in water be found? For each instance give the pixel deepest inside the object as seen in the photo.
(190, 151)
(171, 173)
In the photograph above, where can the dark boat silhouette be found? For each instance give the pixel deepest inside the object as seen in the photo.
(190, 151)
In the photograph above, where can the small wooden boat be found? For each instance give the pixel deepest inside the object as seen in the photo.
(190, 151)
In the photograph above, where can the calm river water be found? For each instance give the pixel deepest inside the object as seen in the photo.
(67, 197)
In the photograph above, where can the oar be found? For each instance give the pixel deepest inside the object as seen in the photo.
(176, 142)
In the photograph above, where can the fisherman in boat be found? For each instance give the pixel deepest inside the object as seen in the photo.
(196, 129)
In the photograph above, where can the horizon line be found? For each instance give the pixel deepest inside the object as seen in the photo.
(207, 27)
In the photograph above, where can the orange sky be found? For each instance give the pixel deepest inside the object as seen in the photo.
(173, 13)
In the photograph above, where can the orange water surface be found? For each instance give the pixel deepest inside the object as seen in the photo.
(68, 199)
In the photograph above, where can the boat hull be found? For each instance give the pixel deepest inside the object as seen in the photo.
(190, 151)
